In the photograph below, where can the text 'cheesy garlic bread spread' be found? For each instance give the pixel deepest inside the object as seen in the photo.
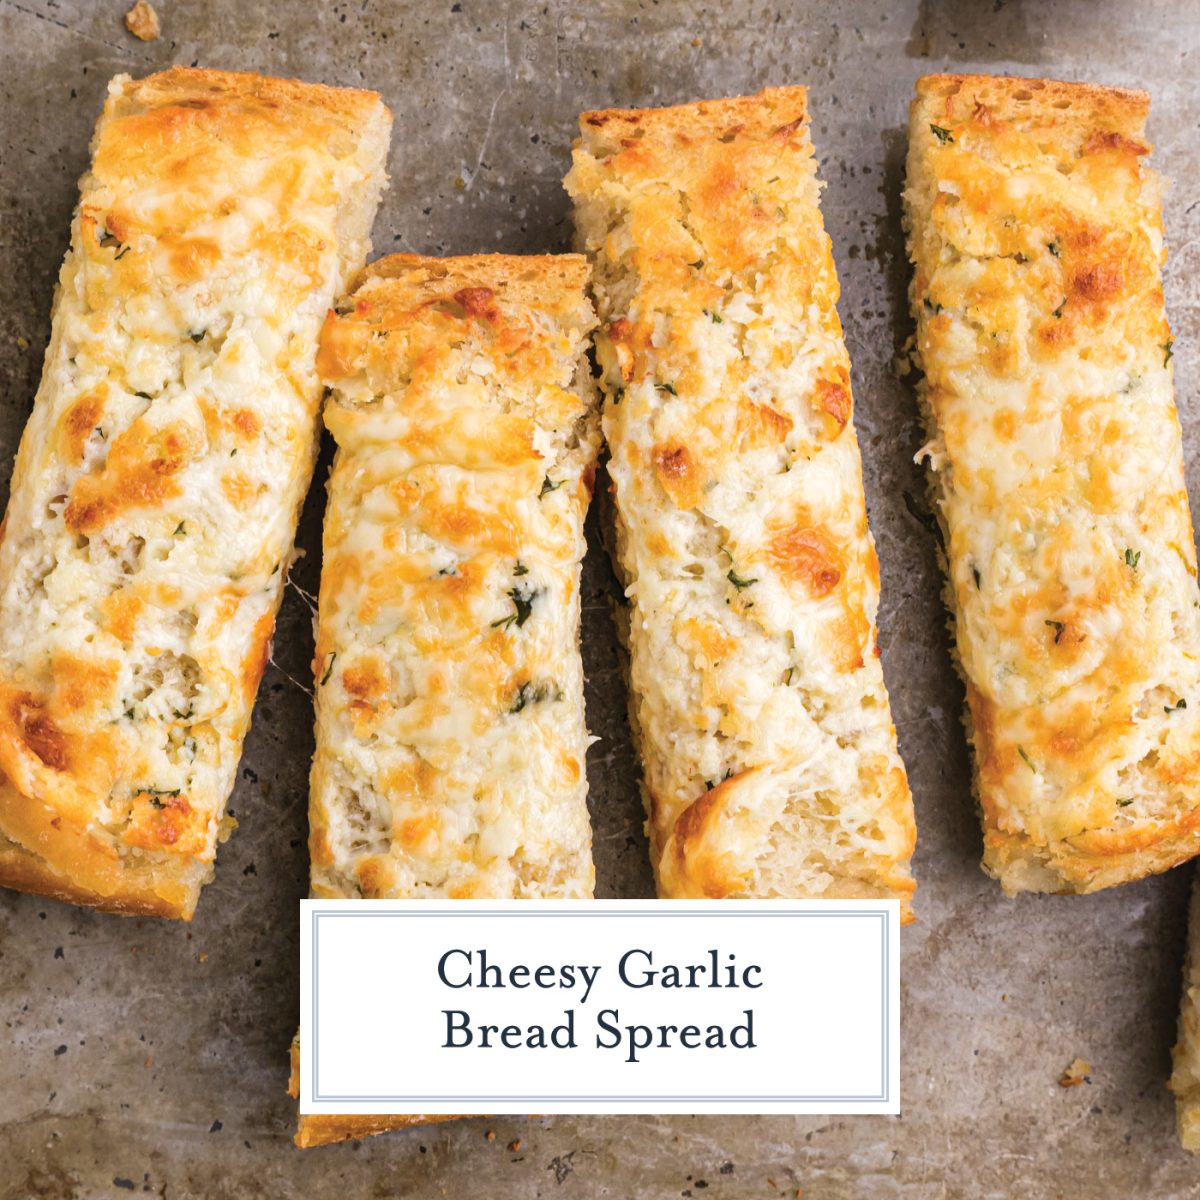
(451, 742)
(1056, 471)
(160, 476)
(757, 695)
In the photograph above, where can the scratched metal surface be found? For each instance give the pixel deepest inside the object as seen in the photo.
(151, 1057)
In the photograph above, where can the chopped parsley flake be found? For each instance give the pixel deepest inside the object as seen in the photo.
(548, 485)
(1132, 559)
(529, 693)
(181, 530)
(329, 669)
(1058, 312)
(1054, 248)
(198, 337)
(520, 569)
(978, 577)
(1026, 759)
(1058, 628)
(942, 134)
(1168, 350)
(931, 306)
(697, 265)
(714, 317)
(737, 581)
(1170, 708)
(667, 387)
(1124, 801)
(522, 599)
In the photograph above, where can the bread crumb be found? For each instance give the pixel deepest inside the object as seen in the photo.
(490, 1135)
(202, 956)
(1078, 1072)
(142, 21)
(515, 1145)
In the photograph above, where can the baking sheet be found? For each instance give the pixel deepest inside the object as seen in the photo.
(147, 1057)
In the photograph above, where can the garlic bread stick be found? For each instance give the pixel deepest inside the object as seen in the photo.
(159, 479)
(1056, 469)
(451, 742)
(757, 696)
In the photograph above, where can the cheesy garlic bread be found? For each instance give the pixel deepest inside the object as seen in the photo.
(451, 742)
(757, 695)
(159, 479)
(1056, 470)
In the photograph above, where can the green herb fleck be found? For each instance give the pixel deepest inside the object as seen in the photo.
(529, 693)
(1168, 350)
(548, 485)
(930, 306)
(1058, 628)
(198, 337)
(697, 265)
(120, 254)
(180, 529)
(1026, 759)
(522, 599)
(942, 134)
(143, 395)
(1170, 708)
(1054, 248)
(1124, 801)
(1058, 312)
(1131, 559)
(978, 577)
(329, 669)
(520, 569)
(667, 387)
(617, 396)
(714, 317)
(155, 793)
(737, 581)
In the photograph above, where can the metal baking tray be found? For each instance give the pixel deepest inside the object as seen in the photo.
(150, 1058)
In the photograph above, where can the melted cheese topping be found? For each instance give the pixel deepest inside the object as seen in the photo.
(159, 479)
(450, 726)
(1057, 469)
(769, 752)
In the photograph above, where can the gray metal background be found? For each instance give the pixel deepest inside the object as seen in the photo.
(147, 1056)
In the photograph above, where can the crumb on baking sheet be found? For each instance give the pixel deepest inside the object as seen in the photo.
(142, 21)
(1079, 1071)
